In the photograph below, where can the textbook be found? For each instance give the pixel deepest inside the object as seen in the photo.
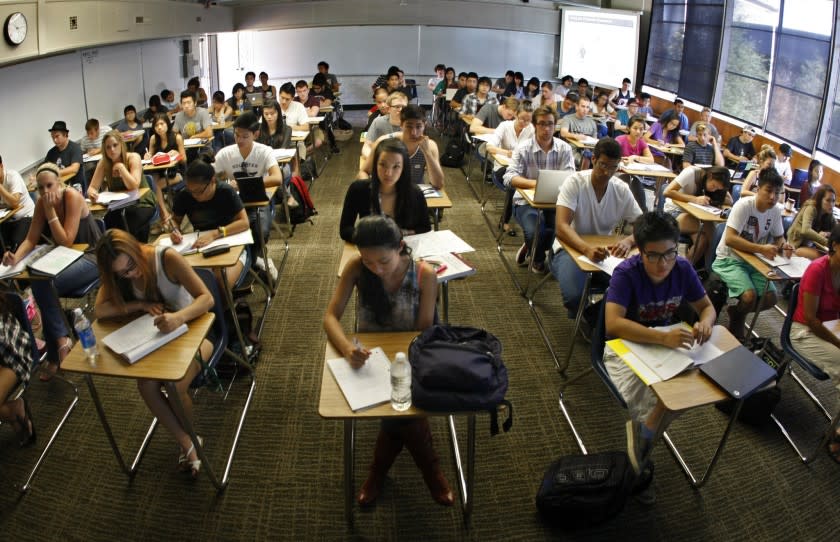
(185, 247)
(607, 265)
(55, 261)
(434, 243)
(139, 338)
(7, 271)
(429, 191)
(367, 386)
(794, 267)
(449, 266)
(654, 363)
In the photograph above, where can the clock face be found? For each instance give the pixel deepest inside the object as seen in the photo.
(15, 28)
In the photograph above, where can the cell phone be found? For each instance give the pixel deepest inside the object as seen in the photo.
(215, 251)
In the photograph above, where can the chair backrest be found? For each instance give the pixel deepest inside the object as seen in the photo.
(599, 334)
(100, 223)
(15, 304)
(799, 177)
(736, 191)
(710, 254)
(220, 331)
(787, 222)
(787, 346)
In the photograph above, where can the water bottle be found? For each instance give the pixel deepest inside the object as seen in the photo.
(85, 333)
(400, 383)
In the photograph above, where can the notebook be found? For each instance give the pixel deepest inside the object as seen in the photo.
(55, 261)
(139, 338)
(251, 189)
(548, 184)
(739, 372)
(367, 386)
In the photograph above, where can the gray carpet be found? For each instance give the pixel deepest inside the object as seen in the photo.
(286, 479)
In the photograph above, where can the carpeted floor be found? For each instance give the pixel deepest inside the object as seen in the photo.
(286, 480)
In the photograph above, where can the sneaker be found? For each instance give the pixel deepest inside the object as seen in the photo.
(538, 268)
(272, 270)
(637, 445)
(522, 255)
(259, 263)
(292, 202)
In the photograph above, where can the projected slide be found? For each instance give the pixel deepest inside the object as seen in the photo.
(600, 46)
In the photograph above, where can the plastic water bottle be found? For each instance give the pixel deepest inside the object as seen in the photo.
(400, 383)
(85, 333)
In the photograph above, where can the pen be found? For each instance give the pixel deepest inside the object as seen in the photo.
(441, 269)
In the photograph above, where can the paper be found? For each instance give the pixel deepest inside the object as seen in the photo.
(484, 137)
(588, 140)
(184, 247)
(636, 166)
(315, 120)
(429, 191)
(140, 337)
(707, 208)
(367, 386)
(4, 212)
(188, 240)
(107, 197)
(194, 141)
(280, 154)
(299, 133)
(607, 265)
(87, 158)
(796, 267)
(20, 267)
(436, 242)
(55, 261)
(449, 267)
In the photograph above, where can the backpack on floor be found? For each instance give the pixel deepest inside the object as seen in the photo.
(453, 154)
(305, 209)
(458, 369)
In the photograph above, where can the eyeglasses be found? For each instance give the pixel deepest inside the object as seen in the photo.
(132, 265)
(199, 191)
(659, 257)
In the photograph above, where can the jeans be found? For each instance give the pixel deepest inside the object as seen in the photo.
(265, 216)
(527, 217)
(137, 218)
(78, 274)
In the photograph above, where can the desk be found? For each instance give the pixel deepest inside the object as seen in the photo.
(333, 406)
(98, 207)
(169, 364)
(661, 175)
(674, 150)
(701, 216)
(436, 204)
(690, 390)
(133, 137)
(271, 286)
(768, 273)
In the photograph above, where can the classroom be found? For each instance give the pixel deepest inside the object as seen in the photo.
(740, 95)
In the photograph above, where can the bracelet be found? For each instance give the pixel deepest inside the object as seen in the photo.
(223, 231)
(50, 221)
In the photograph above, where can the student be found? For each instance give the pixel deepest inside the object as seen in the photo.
(634, 148)
(489, 118)
(294, 114)
(703, 151)
(448, 81)
(508, 135)
(783, 162)
(247, 158)
(622, 122)
(580, 126)
(679, 111)
(220, 110)
(118, 171)
(382, 80)
(268, 91)
(546, 96)
(395, 293)
(705, 186)
(14, 195)
(666, 130)
(238, 102)
(167, 99)
(583, 88)
(754, 225)
(813, 223)
(543, 151)
(250, 77)
(705, 118)
(473, 103)
(622, 95)
(67, 155)
(591, 203)
(380, 107)
(502, 83)
(423, 154)
(139, 278)
(532, 88)
(321, 90)
(332, 80)
(601, 107)
(164, 139)
(766, 158)
(192, 122)
(814, 181)
(91, 142)
(311, 103)
(389, 191)
(62, 217)
(15, 369)
(214, 209)
(644, 105)
(194, 86)
(397, 101)
(645, 292)
(154, 108)
(565, 85)
(567, 106)
(278, 135)
(129, 122)
(819, 302)
(740, 148)
(515, 87)
(440, 69)
(460, 96)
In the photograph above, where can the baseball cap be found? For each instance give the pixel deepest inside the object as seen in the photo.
(750, 129)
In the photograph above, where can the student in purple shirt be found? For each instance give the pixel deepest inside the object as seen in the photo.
(645, 291)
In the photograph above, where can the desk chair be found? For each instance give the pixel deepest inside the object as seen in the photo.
(15, 304)
(800, 176)
(86, 290)
(736, 192)
(811, 369)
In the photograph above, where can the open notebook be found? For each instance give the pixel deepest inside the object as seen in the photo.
(139, 338)
(185, 247)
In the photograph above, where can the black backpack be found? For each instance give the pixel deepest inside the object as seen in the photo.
(457, 369)
(305, 209)
(584, 490)
(453, 154)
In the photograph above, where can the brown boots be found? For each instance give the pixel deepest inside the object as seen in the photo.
(417, 437)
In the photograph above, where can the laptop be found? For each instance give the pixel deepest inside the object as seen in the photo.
(739, 372)
(255, 99)
(548, 184)
(251, 189)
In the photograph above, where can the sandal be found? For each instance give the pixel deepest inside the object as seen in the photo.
(49, 371)
(26, 434)
(184, 462)
(833, 447)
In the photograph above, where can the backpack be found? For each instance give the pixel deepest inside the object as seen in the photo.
(456, 369)
(305, 208)
(453, 154)
(584, 490)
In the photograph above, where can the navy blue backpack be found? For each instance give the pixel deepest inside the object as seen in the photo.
(459, 369)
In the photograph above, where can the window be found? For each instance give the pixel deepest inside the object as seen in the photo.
(683, 48)
(830, 135)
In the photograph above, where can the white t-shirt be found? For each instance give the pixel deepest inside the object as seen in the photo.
(593, 217)
(688, 185)
(783, 168)
(232, 164)
(505, 135)
(295, 115)
(13, 182)
(751, 225)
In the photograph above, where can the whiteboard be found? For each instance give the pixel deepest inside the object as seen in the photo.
(34, 95)
(161, 69)
(601, 46)
(113, 78)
